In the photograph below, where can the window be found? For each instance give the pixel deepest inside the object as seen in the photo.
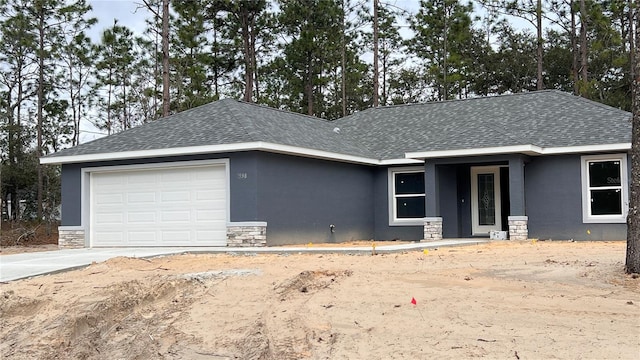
(406, 196)
(604, 188)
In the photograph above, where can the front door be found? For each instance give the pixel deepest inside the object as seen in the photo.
(485, 199)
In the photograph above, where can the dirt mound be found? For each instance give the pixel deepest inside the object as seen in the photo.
(309, 281)
(115, 322)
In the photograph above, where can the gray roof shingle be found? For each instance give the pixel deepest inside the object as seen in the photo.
(225, 122)
(543, 118)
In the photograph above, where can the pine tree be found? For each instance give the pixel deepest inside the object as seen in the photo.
(18, 87)
(442, 34)
(312, 29)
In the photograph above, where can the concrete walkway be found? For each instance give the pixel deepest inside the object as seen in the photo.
(24, 265)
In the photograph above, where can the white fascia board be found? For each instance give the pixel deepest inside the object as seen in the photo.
(519, 149)
(318, 154)
(586, 149)
(194, 150)
(401, 162)
(526, 149)
(137, 154)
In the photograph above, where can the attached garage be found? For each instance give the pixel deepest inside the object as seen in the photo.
(181, 205)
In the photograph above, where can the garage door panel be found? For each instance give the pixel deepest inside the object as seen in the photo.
(110, 179)
(207, 195)
(175, 216)
(141, 217)
(206, 236)
(176, 236)
(184, 206)
(172, 176)
(141, 197)
(109, 199)
(109, 219)
(149, 237)
(207, 215)
(175, 196)
(110, 237)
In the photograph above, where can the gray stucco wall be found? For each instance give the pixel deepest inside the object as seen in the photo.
(300, 198)
(448, 200)
(554, 202)
(71, 195)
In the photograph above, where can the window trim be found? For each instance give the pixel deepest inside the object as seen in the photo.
(587, 217)
(391, 187)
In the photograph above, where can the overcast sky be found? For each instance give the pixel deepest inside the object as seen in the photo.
(126, 11)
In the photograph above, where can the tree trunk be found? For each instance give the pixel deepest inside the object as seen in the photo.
(248, 57)
(375, 53)
(632, 263)
(165, 58)
(343, 62)
(309, 84)
(40, 106)
(574, 50)
(539, 81)
(584, 68)
(632, 52)
(254, 60)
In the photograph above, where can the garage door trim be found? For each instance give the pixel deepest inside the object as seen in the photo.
(86, 181)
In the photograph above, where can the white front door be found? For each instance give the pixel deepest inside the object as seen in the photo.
(485, 199)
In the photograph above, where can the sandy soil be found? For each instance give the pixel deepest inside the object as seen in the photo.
(504, 300)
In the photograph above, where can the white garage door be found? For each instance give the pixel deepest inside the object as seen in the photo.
(182, 206)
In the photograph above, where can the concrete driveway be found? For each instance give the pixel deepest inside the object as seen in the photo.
(20, 266)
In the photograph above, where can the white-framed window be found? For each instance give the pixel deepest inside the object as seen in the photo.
(406, 196)
(604, 188)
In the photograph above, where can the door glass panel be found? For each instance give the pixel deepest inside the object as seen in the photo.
(486, 199)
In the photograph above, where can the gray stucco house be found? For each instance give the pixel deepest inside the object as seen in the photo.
(543, 164)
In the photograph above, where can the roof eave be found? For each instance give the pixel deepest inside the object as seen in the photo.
(521, 149)
(518, 149)
(224, 148)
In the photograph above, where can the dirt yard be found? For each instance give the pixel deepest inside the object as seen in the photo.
(504, 300)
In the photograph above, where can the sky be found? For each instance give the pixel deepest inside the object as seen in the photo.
(129, 13)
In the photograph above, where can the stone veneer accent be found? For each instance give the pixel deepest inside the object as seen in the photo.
(70, 237)
(247, 234)
(518, 229)
(432, 228)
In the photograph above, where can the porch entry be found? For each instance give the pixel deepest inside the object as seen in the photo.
(488, 197)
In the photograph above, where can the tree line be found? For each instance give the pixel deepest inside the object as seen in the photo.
(327, 58)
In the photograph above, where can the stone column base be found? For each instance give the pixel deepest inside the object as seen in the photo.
(432, 228)
(247, 234)
(70, 237)
(518, 228)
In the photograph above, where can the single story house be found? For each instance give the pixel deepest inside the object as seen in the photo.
(542, 164)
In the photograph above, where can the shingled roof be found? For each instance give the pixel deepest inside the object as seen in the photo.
(544, 119)
(225, 121)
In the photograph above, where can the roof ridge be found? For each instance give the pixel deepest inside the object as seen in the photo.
(265, 107)
(523, 93)
(592, 102)
(235, 113)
